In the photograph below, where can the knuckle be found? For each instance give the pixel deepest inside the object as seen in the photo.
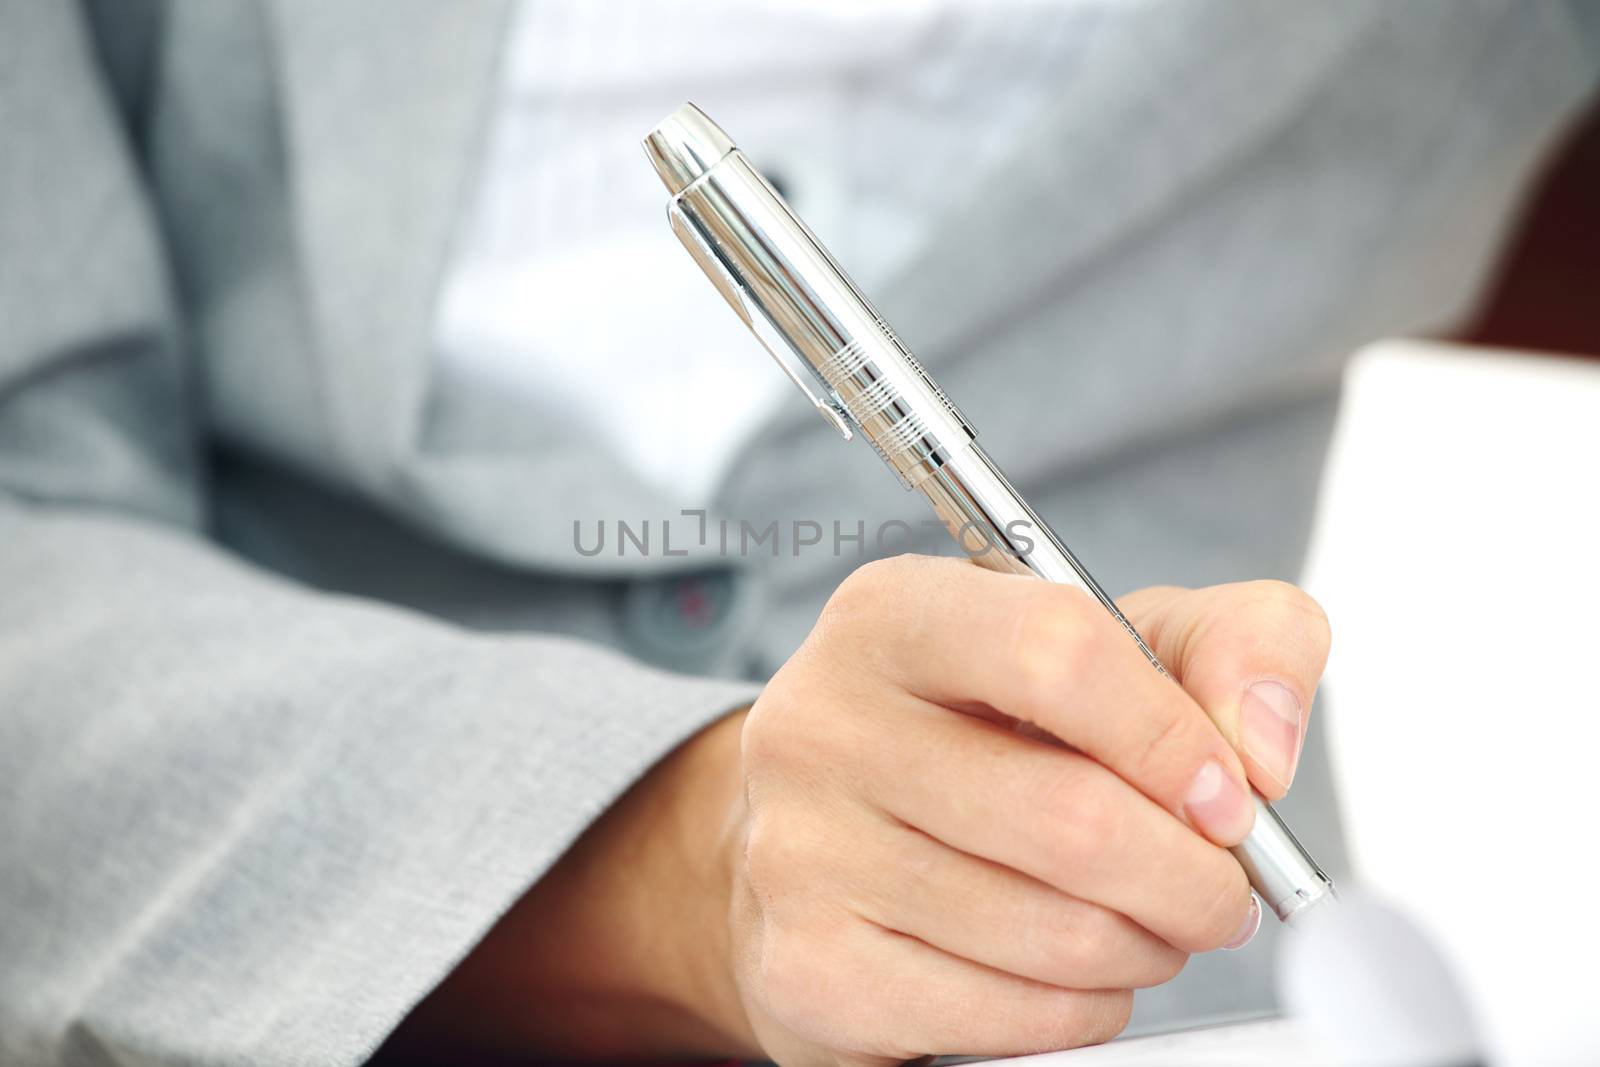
(774, 855)
(1275, 590)
(1087, 1017)
(1053, 644)
(1279, 593)
(763, 739)
(1292, 602)
(1096, 948)
(1085, 820)
(868, 579)
(759, 865)
(1106, 1015)
(878, 594)
(1173, 745)
(1083, 945)
(798, 706)
(818, 727)
(860, 596)
(1224, 898)
(1165, 964)
(871, 578)
(1317, 622)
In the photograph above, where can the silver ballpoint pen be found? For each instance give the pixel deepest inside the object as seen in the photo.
(858, 375)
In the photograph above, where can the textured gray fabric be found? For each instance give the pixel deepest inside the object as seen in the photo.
(246, 823)
(245, 819)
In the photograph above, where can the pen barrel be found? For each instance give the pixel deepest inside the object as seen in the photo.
(998, 530)
(1280, 870)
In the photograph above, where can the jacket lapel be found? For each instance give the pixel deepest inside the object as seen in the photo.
(385, 113)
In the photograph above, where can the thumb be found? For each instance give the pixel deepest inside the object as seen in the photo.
(1249, 653)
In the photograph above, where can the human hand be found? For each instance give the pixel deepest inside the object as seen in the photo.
(912, 875)
(892, 855)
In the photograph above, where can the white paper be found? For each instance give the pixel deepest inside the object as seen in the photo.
(1257, 1043)
(1458, 557)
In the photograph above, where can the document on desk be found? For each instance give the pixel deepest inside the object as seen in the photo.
(1254, 1043)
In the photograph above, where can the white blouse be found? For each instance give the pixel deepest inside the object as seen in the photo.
(567, 285)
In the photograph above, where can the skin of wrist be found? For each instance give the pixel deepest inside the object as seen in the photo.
(668, 851)
(701, 829)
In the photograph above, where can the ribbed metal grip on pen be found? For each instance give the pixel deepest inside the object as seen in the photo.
(799, 302)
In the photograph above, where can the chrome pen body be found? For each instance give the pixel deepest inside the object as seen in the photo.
(862, 379)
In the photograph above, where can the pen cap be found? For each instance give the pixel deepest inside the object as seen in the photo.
(798, 301)
(685, 146)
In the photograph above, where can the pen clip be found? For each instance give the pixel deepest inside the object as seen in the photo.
(831, 411)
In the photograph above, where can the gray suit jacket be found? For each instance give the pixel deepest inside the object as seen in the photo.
(302, 681)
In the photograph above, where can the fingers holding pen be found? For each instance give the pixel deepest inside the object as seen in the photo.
(1061, 819)
(981, 911)
(876, 998)
(908, 877)
(1251, 654)
(1052, 656)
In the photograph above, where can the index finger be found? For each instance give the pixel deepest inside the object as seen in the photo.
(956, 634)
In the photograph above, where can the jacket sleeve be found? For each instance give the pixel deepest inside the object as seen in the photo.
(240, 821)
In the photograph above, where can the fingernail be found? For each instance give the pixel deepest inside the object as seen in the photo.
(1247, 931)
(1271, 728)
(1217, 805)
